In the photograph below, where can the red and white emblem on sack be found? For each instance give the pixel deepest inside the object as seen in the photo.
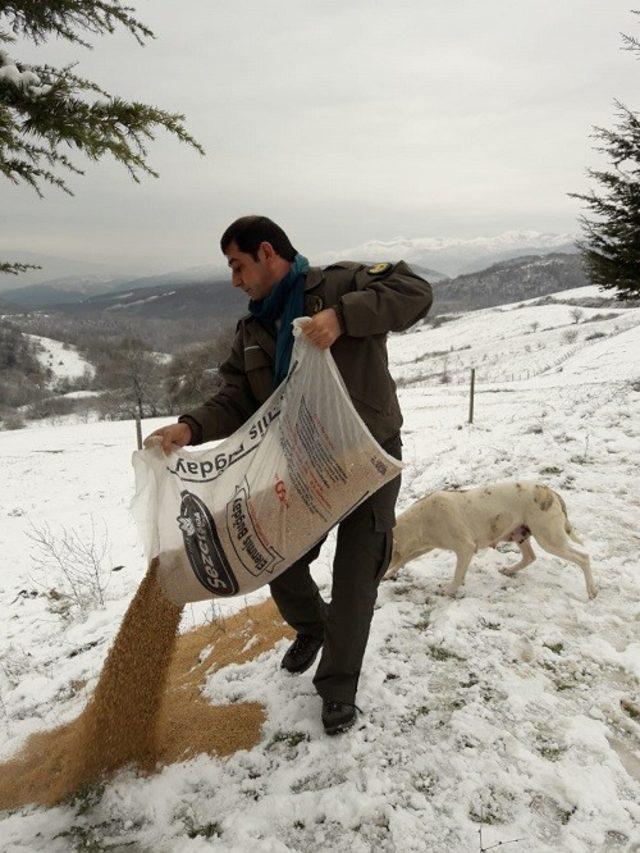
(281, 491)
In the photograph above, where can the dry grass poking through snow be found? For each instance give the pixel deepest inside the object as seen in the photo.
(147, 707)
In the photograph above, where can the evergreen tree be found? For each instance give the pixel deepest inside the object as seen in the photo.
(611, 243)
(46, 112)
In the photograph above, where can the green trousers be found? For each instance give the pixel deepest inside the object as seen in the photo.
(362, 555)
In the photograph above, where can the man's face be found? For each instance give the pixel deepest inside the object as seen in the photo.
(255, 278)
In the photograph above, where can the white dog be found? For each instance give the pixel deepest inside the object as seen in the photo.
(464, 521)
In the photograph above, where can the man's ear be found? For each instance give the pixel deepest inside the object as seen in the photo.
(266, 251)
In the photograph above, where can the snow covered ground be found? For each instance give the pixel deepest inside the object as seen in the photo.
(498, 710)
(64, 362)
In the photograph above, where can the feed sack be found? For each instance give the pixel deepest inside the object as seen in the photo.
(229, 519)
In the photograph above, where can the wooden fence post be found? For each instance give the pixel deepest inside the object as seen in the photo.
(473, 385)
(138, 432)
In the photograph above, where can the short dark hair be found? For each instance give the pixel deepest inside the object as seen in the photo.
(249, 231)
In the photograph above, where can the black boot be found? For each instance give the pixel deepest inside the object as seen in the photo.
(338, 716)
(301, 653)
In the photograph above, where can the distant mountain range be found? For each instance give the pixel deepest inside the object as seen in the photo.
(95, 294)
(209, 299)
(169, 298)
(60, 291)
(54, 267)
(436, 258)
(509, 281)
(8, 307)
(76, 289)
(454, 256)
(205, 291)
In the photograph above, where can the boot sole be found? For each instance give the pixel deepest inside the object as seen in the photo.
(337, 730)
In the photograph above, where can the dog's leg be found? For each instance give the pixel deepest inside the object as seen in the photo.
(399, 560)
(528, 557)
(463, 558)
(392, 571)
(562, 547)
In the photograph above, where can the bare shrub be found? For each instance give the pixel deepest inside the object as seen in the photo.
(83, 382)
(17, 390)
(50, 407)
(13, 421)
(440, 319)
(79, 564)
(595, 317)
(577, 314)
(570, 336)
(192, 376)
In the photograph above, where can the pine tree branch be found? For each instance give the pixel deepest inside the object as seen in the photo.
(45, 111)
(629, 42)
(48, 112)
(14, 269)
(38, 21)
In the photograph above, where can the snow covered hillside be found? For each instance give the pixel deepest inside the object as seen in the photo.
(63, 361)
(499, 710)
(509, 342)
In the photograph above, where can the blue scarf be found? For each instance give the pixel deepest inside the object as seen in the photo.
(286, 301)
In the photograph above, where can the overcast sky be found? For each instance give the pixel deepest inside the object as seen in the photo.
(344, 121)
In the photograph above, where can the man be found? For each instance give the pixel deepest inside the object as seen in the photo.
(352, 307)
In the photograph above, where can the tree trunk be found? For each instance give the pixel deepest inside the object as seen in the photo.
(139, 425)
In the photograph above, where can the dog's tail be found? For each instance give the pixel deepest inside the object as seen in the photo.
(569, 529)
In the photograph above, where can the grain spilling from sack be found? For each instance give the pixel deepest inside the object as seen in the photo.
(147, 706)
(118, 726)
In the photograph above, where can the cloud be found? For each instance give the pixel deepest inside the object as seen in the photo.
(347, 121)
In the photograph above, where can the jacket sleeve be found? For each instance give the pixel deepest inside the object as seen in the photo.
(230, 407)
(388, 301)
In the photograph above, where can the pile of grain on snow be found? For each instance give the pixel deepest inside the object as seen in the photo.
(187, 723)
(147, 706)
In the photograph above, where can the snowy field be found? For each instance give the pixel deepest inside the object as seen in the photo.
(498, 710)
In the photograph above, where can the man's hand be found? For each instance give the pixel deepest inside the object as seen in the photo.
(323, 329)
(179, 434)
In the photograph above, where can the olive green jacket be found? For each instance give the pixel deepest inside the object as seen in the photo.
(372, 301)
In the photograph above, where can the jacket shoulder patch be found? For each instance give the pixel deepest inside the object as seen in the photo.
(380, 269)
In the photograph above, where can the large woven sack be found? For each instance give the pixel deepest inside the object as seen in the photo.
(228, 519)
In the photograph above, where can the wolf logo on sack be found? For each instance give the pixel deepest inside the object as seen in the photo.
(202, 544)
